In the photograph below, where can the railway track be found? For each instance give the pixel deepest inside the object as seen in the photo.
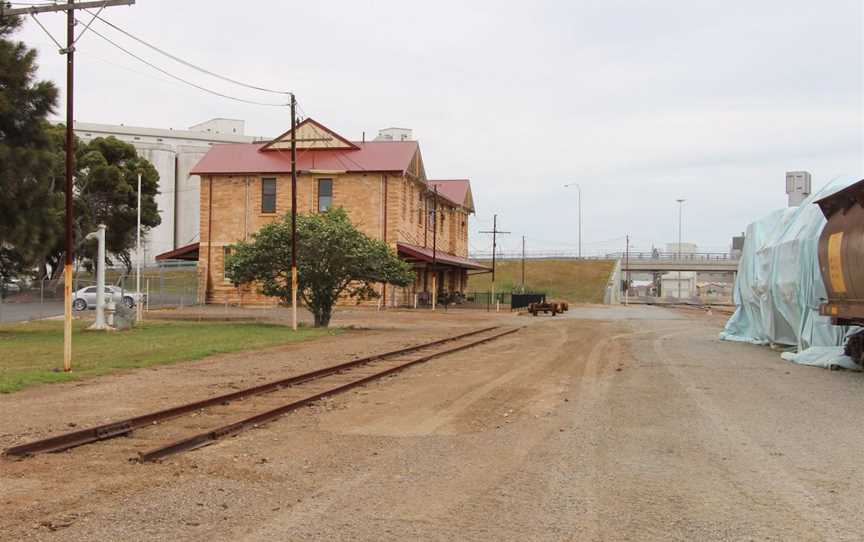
(199, 423)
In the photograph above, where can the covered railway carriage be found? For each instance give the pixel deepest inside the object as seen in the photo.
(841, 262)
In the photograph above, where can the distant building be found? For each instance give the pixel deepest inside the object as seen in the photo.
(678, 285)
(797, 187)
(737, 246)
(172, 153)
(686, 248)
(394, 134)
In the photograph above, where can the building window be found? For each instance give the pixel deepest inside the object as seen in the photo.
(226, 253)
(268, 195)
(325, 194)
(442, 222)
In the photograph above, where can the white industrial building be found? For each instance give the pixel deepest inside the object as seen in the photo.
(173, 153)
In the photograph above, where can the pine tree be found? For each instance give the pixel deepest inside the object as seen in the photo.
(30, 204)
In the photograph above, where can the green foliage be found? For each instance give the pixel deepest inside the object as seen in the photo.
(106, 185)
(32, 173)
(30, 207)
(333, 258)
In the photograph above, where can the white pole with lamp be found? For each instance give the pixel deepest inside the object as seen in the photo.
(138, 313)
(680, 211)
(579, 206)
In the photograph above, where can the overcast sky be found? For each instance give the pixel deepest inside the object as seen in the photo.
(641, 102)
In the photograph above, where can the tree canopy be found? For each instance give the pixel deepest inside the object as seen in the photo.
(32, 173)
(30, 206)
(106, 192)
(334, 258)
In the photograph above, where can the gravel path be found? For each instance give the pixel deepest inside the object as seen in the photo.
(607, 424)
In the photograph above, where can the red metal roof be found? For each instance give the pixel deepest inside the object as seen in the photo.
(188, 252)
(425, 254)
(247, 158)
(454, 190)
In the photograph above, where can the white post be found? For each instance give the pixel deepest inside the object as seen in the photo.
(99, 234)
(138, 307)
(147, 296)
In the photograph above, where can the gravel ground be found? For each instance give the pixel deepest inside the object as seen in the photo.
(616, 423)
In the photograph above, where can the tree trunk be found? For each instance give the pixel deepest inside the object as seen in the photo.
(322, 315)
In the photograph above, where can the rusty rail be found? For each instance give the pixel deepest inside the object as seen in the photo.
(211, 436)
(109, 430)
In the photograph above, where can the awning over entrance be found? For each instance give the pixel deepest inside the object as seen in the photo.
(189, 252)
(421, 254)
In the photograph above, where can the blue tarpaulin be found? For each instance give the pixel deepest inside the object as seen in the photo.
(779, 288)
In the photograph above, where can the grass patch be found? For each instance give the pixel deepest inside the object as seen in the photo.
(30, 353)
(577, 281)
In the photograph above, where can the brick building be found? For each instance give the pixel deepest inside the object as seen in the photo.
(381, 184)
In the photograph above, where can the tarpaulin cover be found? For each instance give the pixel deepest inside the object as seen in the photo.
(779, 288)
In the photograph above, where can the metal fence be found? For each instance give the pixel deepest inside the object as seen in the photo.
(656, 256)
(169, 284)
(485, 255)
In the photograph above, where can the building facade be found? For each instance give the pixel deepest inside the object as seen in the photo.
(382, 185)
(172, 153)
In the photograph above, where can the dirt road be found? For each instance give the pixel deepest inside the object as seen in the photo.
(607, 424)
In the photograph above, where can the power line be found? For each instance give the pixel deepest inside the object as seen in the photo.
(185, 62)
(178, 78)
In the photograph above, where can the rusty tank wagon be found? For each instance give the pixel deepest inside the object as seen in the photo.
(841, 262)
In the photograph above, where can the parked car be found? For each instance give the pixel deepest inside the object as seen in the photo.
(86, 297)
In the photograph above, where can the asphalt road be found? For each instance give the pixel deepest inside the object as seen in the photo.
(20, 312)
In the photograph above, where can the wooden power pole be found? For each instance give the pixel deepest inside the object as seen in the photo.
(435, 249)
(69, 7)
(293, 212)
(523, 264)
(495, 231)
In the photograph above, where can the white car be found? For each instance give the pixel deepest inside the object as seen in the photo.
(86, 297)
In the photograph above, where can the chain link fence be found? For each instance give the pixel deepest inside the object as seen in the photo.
(168, 284)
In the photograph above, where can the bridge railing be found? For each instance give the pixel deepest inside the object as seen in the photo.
(674, 257)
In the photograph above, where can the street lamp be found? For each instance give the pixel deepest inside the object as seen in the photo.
(579, 190)
(680, 210)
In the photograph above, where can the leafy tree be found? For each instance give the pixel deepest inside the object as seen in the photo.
(30, 205)
(106, 192)
(333, 258)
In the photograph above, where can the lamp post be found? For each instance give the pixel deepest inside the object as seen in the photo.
(579, 206)
(680, 211)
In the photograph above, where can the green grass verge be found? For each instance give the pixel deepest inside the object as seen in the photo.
(31, 353)
(577, 281)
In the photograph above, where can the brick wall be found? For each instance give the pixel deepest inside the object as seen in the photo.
(236, 213)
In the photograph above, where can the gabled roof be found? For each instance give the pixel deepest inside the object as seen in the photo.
(311, 135)
(249, 159)
(456, 190)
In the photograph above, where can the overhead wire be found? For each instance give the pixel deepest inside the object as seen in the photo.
(178, 78)
(182, 61)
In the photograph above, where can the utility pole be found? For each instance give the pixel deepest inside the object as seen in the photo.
(293, 212)
(435, 249)
(627, 271)
(495, 231)
(69, 7)
(680, 210)
(523, 264)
